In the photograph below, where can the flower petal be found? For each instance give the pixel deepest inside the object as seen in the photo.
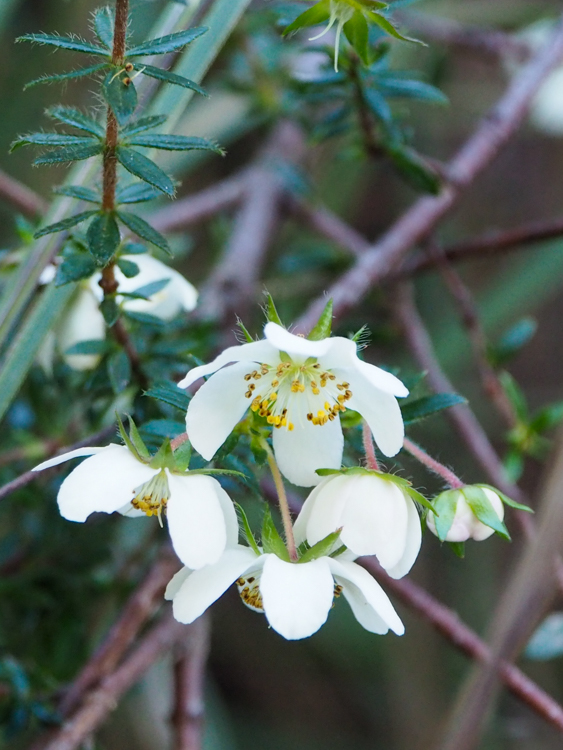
(83, 321)
(302, 520)
(328, 501)
(306, 448)
(216, 408)
(296, 598)
(371, 606)
(195, 519)
(413, 541)
(203, 587)
(288, 342)
(103, 483)
(375, 519)
(77, 453)
(176, 583)
(257, 351)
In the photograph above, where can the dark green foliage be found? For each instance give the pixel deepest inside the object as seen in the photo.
(110, 310)
(128, 268)
(103, 238)
(65, 42)
(120, 93)
(51, 139)
(414, 411)
(104, 19)
(164, 44)
(79, 192)
(70, 153)
(165, 75)
(142, 124)
(119, 371)
(81, 73)
(144, 230)
(75, 118)
(75, 266)
(138, 192)
(145, 169)
(64, 224)
(174, 143)
(169, 393)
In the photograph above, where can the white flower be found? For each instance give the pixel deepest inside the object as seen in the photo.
(295, 597)
(83, 321)
(201, 517)
(465, 524)
(376, 516)
(300, 387)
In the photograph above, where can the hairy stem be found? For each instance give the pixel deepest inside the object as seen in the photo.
(369, 450)
(282, 502)
(435, 466)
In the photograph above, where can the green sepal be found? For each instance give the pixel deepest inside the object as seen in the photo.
(174, 143)
(128, 268)
(110, 310)
(145, 169)
(323, 327)
(458, 548)
(137, 440)
(141, 228)
(104, 22)
(507, 500)
(69, 153)
(142, 124)
(163, 44)
(75, 118)
(445, 506)
(427, 405)
(81, 73)
(164, 457)
(75, 268)
(79, 192)
(246, 530)
(165, 75)
(103, 238)
(329, 472)
(121, 96)
(314, 16)
(64, 42)
(126, 439)
(169, 393)
(322, 548)
(245, 333)
(419, 498)
(182, 456)
(357, 33)
(50, 139)
(271, 539)
(139, 192)
(62, 226)
(119, 371)
(360, 334)
(271, 313)
(388, 27)
(211, 472)
(483, 510)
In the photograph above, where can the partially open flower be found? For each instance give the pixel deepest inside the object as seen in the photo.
(376, 514)
(295, 597)
(299, 387)
(470, 512)
(201, 516)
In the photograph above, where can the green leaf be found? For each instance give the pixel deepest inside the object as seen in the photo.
(271, 312)
(128, 268)
(50, 139)
(173, 78)
(91, 346)
(414, 168)
(78, 192)
(458, 548)
(103, 238)
(62, 226)
(271, 539)
(388, 27)
(169, 393)
(104, 20)
(445, 506)
(119, 371)
(427, 405)
(125, 437)
(547, 418)
(512, 341)
(74, 43)
(314, 16)
(77, 119)
(164, 428)
(245, 333)
(547, 641)
(147, 290)
(69, 153)
(140, 192)
(246, 530)
(147, 320)
(81, 73)
(110, 310)
(143, 123)
(174, 143)
(136, 438)
(74, 268)
(322, 548)
(142, 229)
(481, 506)
(145, 169)
(515, 395)
(164, 44)
(357, 33)
(183, 455)
(120, 95)
(323, 327)
(507, 500)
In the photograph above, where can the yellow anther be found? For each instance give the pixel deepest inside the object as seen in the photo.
(275, 383)
(271, 419)
(283, 422)
(265, 403)
(310, 416)
(290, 426)
(327, 406)
(321, 413)
(316, 391)
(273, 396)
(248, 376)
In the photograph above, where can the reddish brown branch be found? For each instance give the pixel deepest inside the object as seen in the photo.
(21, 197)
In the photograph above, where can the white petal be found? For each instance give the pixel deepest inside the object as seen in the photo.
(412, 542)
(195, 520)
(302, 520)
(77, 453)
(82, 321)
(382, 379)
(306, 448)
(369, 603)
(203, 587)
(176, 583)
(296, 598)
(257, 351)
(229, 514)
(380, 410)
(327, 507)
(102, 483)
(288, 342)
(375, 519)
(216, 408)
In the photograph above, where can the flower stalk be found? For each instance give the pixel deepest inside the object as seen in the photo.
(432, 464)
(282, 502)
(369, 449)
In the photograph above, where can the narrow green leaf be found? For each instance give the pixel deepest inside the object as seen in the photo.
(74, 268)
(140, 192)
(145, 169)
(314, 16)
(445, 506)
(547, 417)
(78, 192)
(515, 395)
(481, 506)
(512, 341)
(77, 119)
(507, 500)
(246, 530)
(50, 139)
(547, 641)
(164, 44)
(271, 312)
(163, 428)
(128, 268)
(81, 73)
(147, 320)
(323, 327)
(427, 405)
(420, 499)
(148, 290)
(165, 75)
(458, 548)
(245, 333)
(74, 43)
(91, 346)
(271, 539)
(357, 33)
(388, 27)
(104, 20)
(142, 229)
(142, 124)
(414, 168)
(125, 437)
(322, 548)
(183, 454)
(69, 153)
(120, 93)
(110, 310)
(61, 226)
(174, 143)
(103, 238)
(169, 393)
(136, 439)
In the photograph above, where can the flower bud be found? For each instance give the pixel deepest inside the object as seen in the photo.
(471, 512)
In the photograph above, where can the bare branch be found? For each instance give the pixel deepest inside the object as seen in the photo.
(21, 197)
(328, 224)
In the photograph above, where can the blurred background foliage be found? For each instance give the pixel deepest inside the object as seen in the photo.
(62, 585)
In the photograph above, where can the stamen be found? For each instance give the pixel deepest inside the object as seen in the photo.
(152, 496)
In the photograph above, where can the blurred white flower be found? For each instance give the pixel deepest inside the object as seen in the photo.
(453, 507)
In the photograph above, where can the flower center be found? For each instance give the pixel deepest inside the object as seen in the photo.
(249, 590)
(152, 496)
(290, 392)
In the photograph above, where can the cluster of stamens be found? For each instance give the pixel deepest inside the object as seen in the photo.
(151, 498)
(249, 591)
(271, 399)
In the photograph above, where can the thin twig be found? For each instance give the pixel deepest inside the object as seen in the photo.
(493, 133)
(369, 449)
(432, 464)
(21, 197)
